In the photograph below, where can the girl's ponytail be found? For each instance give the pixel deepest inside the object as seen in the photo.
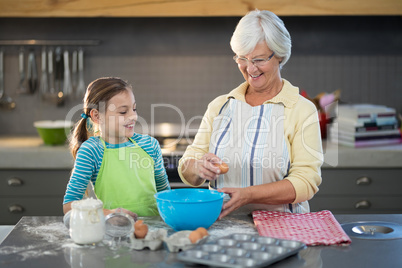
(79, 135)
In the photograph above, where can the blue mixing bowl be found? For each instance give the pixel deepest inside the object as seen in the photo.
(189, 208)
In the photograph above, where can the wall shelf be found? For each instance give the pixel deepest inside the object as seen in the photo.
(194, 8)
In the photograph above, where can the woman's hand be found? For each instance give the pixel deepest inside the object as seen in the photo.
(206, 169)
(238, 198)
(273, 193)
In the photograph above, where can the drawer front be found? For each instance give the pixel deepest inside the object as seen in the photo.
(12, 209)
(33, 182)
(361, 182)
(358, 205)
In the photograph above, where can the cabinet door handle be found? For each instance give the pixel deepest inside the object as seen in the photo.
(14, 181)
(363, 181)
(363, 205)
(15, 209)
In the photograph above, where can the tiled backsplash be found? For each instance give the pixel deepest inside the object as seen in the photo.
(184, 63)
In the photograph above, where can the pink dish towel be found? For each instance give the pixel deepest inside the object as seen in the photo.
(313, 229)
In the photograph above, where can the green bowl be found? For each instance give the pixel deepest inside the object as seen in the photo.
(53, 132)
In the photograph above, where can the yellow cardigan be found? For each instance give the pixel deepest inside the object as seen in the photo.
(302, 135)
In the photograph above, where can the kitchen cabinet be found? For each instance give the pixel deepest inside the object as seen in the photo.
(366, 180)
(31, 193)
(359, 191)
(187, 8)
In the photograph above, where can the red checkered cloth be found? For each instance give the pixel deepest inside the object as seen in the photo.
(313, 229)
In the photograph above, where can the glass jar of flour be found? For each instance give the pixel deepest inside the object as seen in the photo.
(87, 222)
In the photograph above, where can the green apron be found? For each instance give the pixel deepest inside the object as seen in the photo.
(126, 180)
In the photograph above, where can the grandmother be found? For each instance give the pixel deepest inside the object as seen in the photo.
(265, 131)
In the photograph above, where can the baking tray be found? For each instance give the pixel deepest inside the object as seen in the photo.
(241, 250)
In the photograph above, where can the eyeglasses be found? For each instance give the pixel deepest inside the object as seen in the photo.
(256, 62)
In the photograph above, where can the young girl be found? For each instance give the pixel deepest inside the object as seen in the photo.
(125, 168)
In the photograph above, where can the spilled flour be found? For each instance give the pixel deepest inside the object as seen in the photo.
(45, 240)
(230, 225)
(38, 237)
(53, 232)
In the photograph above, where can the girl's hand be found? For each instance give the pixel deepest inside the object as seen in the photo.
(206, 169)
(238, 198)
(128, 212)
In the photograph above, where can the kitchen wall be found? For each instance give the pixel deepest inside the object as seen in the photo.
(184, 63)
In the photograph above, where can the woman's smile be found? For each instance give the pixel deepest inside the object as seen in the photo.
(256, 76)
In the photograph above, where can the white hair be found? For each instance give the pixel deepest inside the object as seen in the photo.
(258, 26)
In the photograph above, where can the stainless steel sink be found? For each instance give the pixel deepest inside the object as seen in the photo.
(373, 230)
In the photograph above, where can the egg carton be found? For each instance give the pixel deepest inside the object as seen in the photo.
(180, 241)
(241, 250)
(153, 240)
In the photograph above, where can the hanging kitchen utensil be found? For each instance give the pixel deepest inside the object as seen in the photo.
(32, 72)
(67, 88)
(6, 102)
(74, 67)
(59, 77)
(50, 69)
(50, 94)
(80, 90)
(44, 85)
(22, 87)
(59, 71)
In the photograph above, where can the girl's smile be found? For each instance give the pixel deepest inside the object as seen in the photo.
(119, 119)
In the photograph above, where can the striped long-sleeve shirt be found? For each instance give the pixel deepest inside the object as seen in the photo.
(89, 160)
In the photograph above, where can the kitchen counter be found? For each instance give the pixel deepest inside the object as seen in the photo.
(31, 153)
(44, 242)
(338, 156)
